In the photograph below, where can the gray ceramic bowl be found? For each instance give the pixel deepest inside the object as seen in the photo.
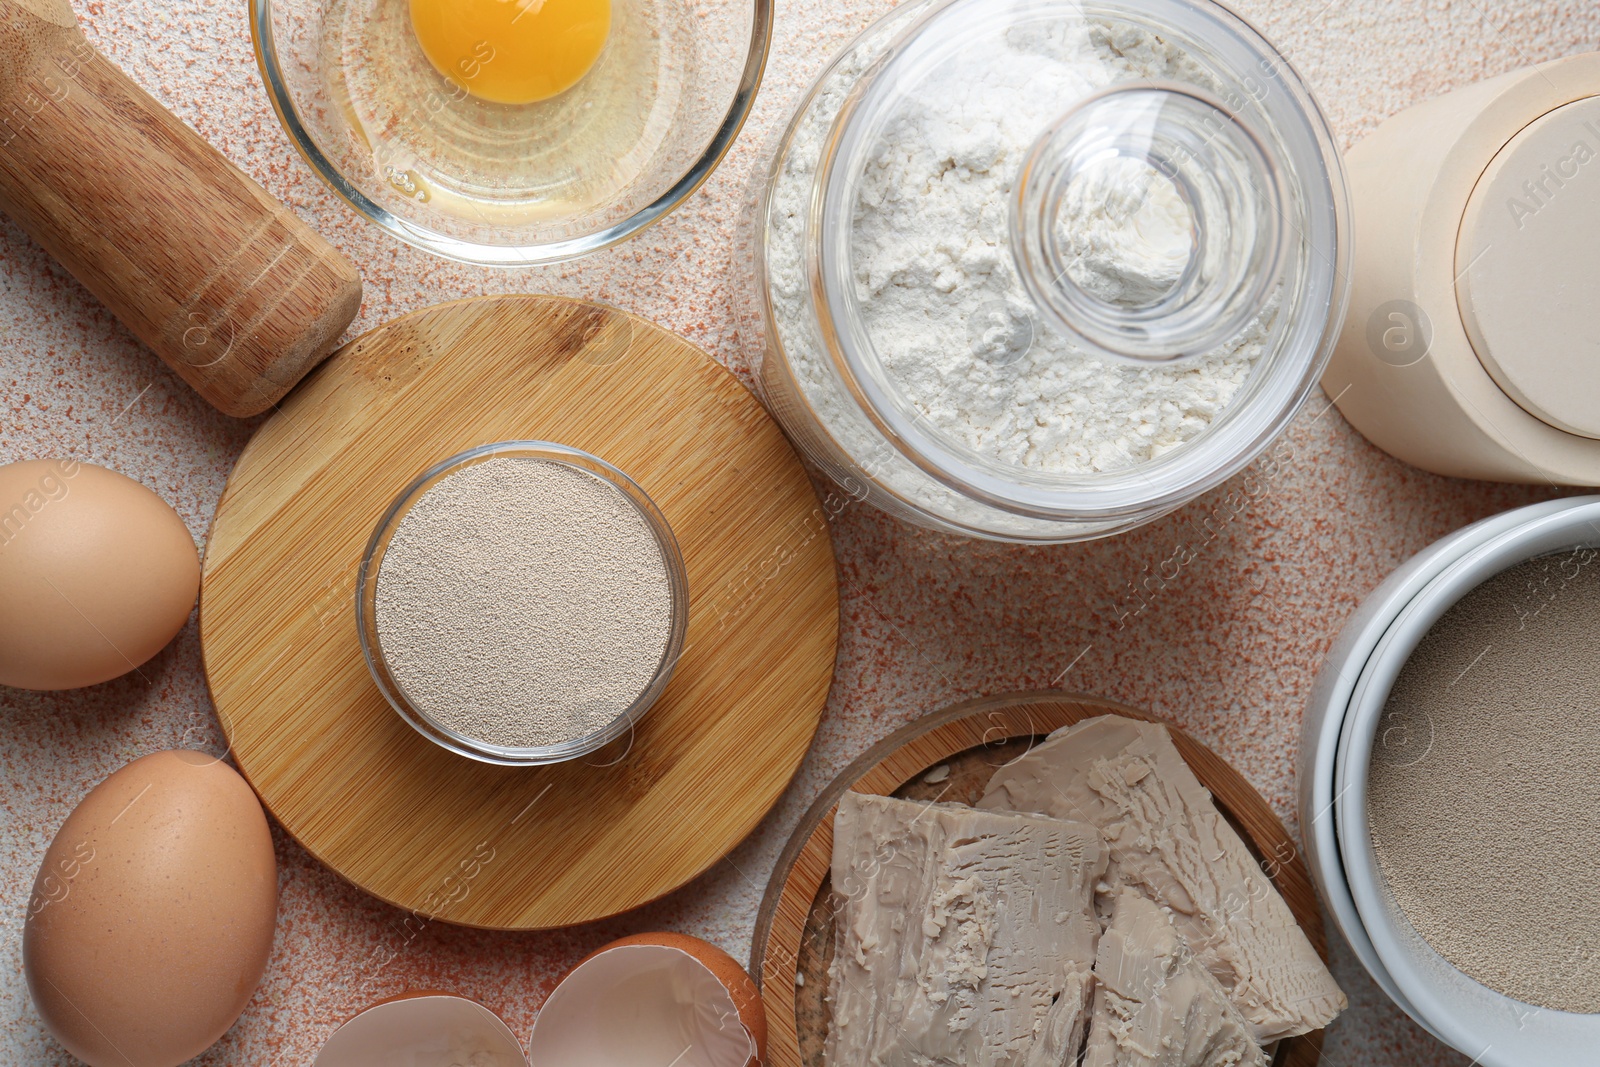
(1325, 719)
(1497, 1030)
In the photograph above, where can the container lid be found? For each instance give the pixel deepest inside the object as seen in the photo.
(1528, 268)
(1171, 195)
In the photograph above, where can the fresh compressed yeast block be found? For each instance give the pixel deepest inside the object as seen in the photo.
(657, 998)
(153, 914)
(423, 1029)
(1154, 1004)
(1167, 839)
(963, 936)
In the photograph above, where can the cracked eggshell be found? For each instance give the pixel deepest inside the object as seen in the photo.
(424, 1028)
(652, 998)
(152, 915)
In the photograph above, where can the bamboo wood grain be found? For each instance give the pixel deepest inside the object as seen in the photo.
(227, 285)
(794, 932)
(442, 835)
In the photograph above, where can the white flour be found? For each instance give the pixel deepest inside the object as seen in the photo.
(938, 292)
(1128, 231)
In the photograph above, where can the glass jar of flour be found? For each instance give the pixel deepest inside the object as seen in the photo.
(1044, 270)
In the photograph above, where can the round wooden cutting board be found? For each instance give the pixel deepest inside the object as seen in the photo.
(510, 847)
(950, 755)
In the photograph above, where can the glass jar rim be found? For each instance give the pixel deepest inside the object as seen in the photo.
(1308, 320)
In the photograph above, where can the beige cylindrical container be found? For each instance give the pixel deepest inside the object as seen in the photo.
(1472, 346)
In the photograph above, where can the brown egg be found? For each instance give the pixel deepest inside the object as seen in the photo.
(652, 998)
(97, 574)
(152, 916)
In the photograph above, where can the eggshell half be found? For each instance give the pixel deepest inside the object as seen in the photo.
(652, 998)
(152, 916)
(425, 1028)
(97, 574)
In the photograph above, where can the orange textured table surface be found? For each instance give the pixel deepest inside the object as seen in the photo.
(1225, 646)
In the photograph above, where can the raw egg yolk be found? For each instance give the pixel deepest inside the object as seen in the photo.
(512, 51)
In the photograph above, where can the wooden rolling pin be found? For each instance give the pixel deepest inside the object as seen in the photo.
(227, 285)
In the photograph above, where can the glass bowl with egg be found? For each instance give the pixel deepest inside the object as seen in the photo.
(522, 603)
(511, 132)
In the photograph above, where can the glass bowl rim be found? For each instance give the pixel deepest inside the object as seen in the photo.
(464, 744)
(490, 255)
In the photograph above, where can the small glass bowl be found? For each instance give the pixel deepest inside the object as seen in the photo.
(466, 745)
(511, 185)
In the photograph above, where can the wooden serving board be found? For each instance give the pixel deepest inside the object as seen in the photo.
(963, 745)
(507, 847)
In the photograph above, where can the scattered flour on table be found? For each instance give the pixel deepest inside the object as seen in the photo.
(937, 289)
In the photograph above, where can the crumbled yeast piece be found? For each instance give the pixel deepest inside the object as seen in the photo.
(1167, 840)
(963, 937)
(1154, 1004)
